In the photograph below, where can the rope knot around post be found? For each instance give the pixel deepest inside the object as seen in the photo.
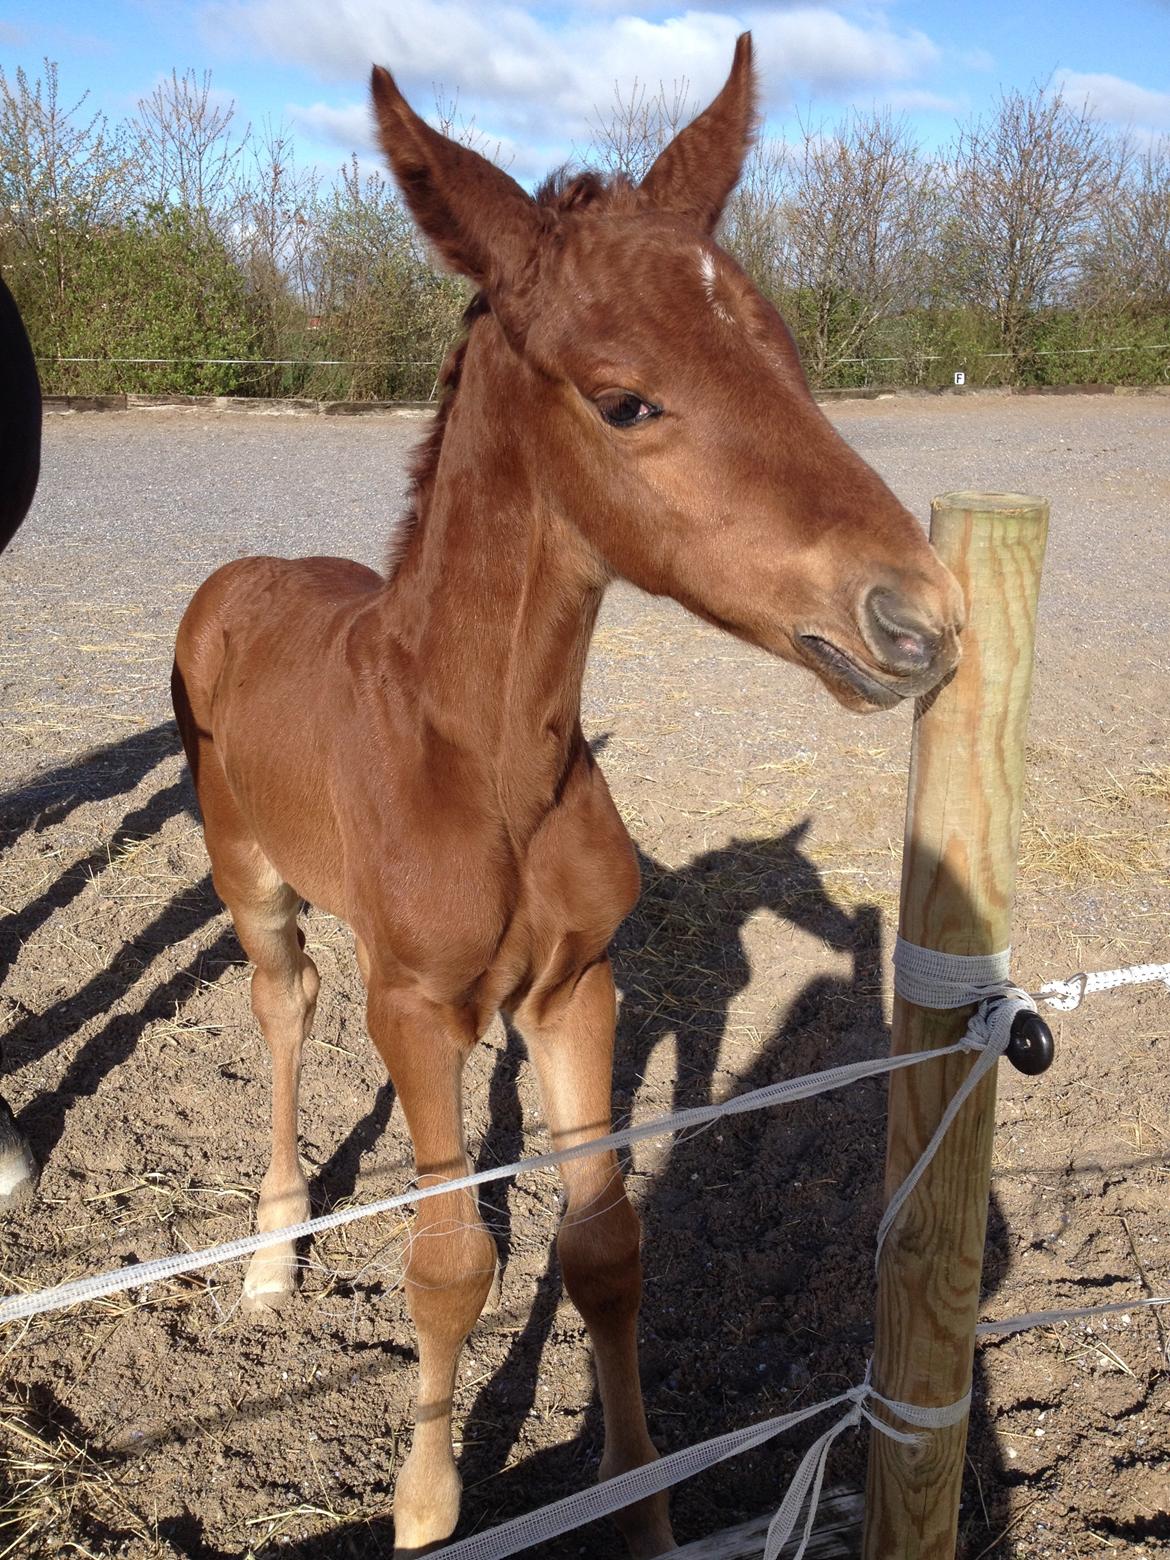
(809, 1477)
(947, 981)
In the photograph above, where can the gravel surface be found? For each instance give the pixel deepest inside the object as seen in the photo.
(160, 499)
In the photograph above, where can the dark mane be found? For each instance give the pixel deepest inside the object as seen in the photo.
(561, 191)
(424, 462)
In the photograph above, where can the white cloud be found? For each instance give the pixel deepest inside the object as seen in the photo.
(1120, 102)
(535, 80)
(913, 100)
(829, 53)
(976, 59)
(350, 127)
(525, 72)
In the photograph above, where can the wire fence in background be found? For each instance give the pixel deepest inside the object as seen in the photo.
(856, 369)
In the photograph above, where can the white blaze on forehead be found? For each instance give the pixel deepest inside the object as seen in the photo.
(709, 272)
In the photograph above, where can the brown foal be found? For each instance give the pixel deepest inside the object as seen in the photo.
(406, 752)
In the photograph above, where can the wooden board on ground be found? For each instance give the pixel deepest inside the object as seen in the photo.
(837, 1535)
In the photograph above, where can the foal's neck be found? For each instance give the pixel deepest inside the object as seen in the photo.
(496, 593)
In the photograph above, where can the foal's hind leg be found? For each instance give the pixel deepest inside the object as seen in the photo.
(599, 1240)
(284, 997)
(452, 1258)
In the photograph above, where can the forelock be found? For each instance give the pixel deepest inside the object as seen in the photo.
(564, 190)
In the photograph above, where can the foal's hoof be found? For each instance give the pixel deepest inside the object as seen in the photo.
(18, 1169)
(426, 1501)
(270, 1282)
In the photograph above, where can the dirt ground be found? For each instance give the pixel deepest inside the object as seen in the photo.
(769, 825)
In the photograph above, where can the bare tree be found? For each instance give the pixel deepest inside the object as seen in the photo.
(389, 311)
(457, 126)
(860, 211)
(61, 174)
(276, 215)
(637, 127)
(753, 222)
(1127, 262)
(186, 148)
(1025, 186)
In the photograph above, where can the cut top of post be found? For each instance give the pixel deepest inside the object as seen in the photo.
(994, 503)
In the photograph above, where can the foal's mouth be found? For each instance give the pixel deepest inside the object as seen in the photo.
(846, 677)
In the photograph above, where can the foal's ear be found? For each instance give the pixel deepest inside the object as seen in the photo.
(696, 173)
(479, 219)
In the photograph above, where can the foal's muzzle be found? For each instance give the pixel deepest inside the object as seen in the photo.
(906, 651)
(902, 640)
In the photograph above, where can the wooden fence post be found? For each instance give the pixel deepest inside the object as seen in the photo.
(958, 883)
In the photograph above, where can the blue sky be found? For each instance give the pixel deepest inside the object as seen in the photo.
(532, 76)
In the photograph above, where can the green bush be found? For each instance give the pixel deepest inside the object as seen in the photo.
(162, 286)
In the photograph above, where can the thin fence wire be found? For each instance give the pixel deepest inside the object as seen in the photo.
(236, 362)
(893, 357)
(964, 357)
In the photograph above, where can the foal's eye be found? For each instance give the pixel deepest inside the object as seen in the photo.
(624, 408)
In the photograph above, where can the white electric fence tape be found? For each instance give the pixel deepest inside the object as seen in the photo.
(922, 976)
(1065, 995)
(946, 981)
(562, 1516)
(1076, 1313)
(698, 1116)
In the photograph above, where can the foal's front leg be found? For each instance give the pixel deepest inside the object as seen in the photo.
(452, 1258)
(572, 1046)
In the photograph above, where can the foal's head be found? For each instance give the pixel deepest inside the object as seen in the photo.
(665, 402)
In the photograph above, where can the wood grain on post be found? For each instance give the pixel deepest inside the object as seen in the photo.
(958, 882)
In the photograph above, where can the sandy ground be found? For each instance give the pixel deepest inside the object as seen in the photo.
(769, 823)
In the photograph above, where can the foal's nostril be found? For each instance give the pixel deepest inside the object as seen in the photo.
(897, 633)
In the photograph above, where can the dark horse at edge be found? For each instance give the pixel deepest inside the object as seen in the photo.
(20, 466)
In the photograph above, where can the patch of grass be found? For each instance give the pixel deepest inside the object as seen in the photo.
(1078, 854)
(55, 1485)
(1154, 782)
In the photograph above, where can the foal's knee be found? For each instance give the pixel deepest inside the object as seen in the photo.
(286, 996)
(450, 1266)
(599, 1246)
